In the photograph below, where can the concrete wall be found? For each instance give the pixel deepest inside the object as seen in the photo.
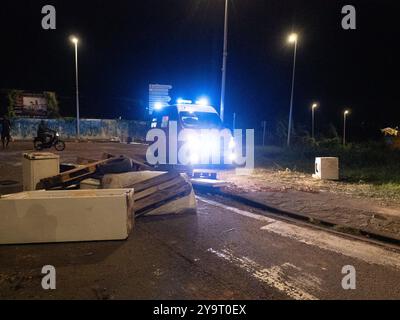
(93, 129)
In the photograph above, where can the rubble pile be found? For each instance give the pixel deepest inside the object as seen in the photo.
(91, 200)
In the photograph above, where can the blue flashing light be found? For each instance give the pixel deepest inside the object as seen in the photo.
(158, 106)
(203, 102)
(183, 101)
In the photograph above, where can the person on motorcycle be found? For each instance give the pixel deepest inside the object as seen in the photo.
(44, 132)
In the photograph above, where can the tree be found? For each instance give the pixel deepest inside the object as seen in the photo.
(12, 101)
(52, 104)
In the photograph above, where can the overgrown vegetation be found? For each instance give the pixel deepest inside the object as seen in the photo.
(52, 105)
(371, 162)
(12, 97)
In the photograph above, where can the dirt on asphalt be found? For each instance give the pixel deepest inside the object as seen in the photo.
(332, 201)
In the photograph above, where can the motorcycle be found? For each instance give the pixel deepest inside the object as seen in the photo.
(41, 143)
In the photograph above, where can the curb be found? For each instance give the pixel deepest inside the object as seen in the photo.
(381, 237)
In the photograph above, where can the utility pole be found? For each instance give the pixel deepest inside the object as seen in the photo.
(314, 106)
(75, 41)
(292, 39)
(224, 62)
(344, 126)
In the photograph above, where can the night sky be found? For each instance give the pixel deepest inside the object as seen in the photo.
(125, 45)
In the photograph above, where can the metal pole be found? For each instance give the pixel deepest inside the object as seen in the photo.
(78, 135)
(313, 122)
(224, 60)
(292, 95)
(234, 121)
(344, 129)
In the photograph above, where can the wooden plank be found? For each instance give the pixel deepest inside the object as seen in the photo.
(157, 199)
(162, 186)
(141, 165)
(136, 163)
(152, 182)
(85, 161)
(70, 177)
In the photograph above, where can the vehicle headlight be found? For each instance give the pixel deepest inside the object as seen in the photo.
(57, 134)
(232, 144)
(194, 158)
(193, 139)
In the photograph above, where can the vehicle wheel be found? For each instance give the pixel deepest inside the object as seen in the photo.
(37, 145)
(60, 146)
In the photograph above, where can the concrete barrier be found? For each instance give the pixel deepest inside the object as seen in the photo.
(66, 216)
(326, 168)
(38, 165)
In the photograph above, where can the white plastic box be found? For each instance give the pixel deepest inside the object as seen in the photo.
(66, 216)
(327, 168)
(37, 166)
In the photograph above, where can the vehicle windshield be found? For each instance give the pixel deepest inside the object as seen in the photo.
(200, 120)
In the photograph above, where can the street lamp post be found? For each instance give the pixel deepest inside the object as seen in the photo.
(292, 39)
(224, 62)
(314, 106)
(75, 41)
(345, 114)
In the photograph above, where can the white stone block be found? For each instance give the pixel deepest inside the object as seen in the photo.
(327, 168)
(66, 216)
(37, 166)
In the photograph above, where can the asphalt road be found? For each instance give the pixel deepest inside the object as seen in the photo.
(220, 253)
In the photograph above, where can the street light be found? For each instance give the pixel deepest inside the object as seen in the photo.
(314, 106)
(75, 41)
(293, 38)
(224, 61)
(345, 114)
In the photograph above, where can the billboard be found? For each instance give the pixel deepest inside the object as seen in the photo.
(30, 105)
(34, 104)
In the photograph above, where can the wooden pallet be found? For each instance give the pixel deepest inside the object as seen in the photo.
(155, 192)
(68, 178)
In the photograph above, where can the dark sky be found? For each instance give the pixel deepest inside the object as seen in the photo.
(125, 45)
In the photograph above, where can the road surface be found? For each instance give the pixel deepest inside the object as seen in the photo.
(223, 252)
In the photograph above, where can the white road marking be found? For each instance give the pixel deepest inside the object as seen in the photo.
(352, 248)
(275, 276)
(366, 252)
(238, 211)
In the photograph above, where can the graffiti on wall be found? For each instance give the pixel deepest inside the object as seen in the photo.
(92, 129)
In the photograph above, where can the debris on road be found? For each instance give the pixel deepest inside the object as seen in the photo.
(113, 192)
(155, 192)
(110, 164)
(70, 177)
